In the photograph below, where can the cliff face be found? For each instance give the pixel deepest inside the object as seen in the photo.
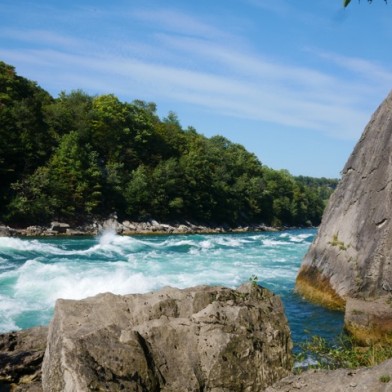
(352, 254)
(202, 338)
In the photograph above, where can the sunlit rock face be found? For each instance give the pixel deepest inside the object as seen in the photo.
(351, 256)
(202, 338)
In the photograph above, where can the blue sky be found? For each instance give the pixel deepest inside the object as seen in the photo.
(294, 81)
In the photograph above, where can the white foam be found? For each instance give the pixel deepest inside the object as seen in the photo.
(206, 244)
(9, 309)
(44, 283)
(299, 237)
(125, 265)
(109, 244)
(175, 242)
(272, 243)
(16, 244)
(230, 242)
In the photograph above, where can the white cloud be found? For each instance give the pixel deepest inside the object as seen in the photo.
(277, 6)
(367, 69)
(178, 22)
(41, 37)
(196, 63)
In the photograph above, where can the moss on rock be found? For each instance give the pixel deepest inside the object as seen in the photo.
(317, 288)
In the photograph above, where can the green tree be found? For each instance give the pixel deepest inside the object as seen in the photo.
(76, 179)
(78, 156)
(32, 201)
(68, 187)
(347, 2)
(70, 112)
(168, 190)
(138, 195)
(25, 140)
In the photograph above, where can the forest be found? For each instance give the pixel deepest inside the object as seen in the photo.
(77, 157)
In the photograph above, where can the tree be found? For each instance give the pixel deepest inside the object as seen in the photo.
(347, 2)
(25, 141)
(76, 179)
(70, 112)
(79, 157)
(137, 193)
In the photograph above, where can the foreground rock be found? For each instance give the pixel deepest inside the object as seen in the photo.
(376, 379)
(21, 355)
(197, 339)
(352, 254)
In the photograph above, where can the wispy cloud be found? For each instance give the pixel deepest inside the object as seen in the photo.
(41, 37)
(277, 6)
(354, 65)
(188, 60)
(178, 22)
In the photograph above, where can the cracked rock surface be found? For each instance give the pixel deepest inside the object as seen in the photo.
(197, 339)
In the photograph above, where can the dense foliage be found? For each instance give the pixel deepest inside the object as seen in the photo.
(78, 157)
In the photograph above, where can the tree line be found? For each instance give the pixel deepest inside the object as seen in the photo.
(79, 157)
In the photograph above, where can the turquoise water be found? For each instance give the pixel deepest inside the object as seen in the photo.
(35, 272)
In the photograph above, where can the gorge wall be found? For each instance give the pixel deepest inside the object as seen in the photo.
(351, 257)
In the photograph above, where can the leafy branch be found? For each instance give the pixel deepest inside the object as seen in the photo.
(347, 2)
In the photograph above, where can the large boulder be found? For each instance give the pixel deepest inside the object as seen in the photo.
(197, 339)
(351, 256)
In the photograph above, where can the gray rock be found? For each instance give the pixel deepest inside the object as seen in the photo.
(74, 232)
(6, 231)
(369, 320)
(34, 231)
(21, 355)
(352, 253)
(198, 339)
(182, 229)
(376, 379)
(59, 227)
(129, 226)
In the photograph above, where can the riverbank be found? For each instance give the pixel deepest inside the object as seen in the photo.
(127, 227)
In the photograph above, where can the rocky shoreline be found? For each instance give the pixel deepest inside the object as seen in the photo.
(126, 227)
(220, 339)
(22, 353)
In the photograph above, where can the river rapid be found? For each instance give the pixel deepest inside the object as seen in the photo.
(35, 272)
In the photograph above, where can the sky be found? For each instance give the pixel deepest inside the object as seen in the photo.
(294, 81)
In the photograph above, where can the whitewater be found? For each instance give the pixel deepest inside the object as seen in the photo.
(36, 272)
